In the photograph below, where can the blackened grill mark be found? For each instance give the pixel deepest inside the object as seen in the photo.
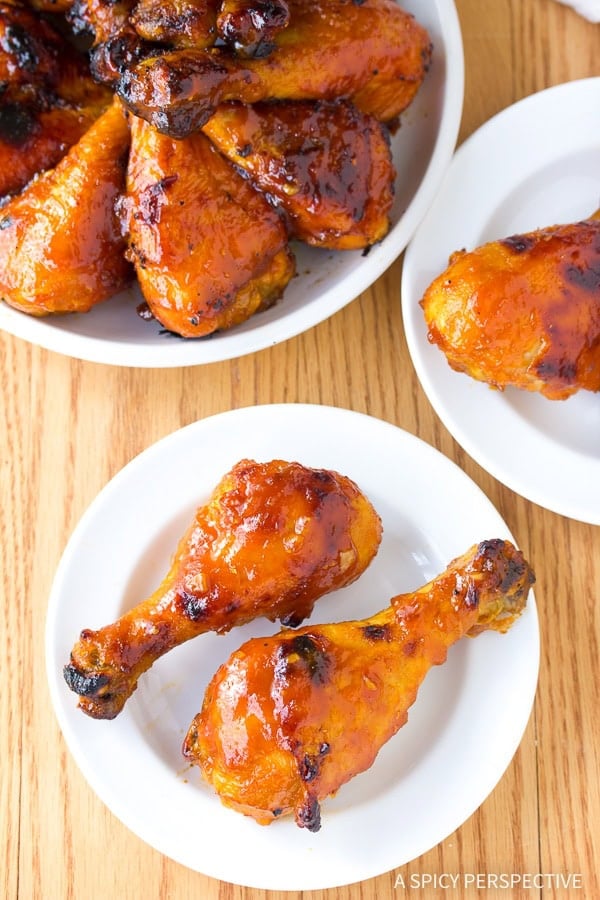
(314, 658)
(188, 110)
(322, 475)
(122, 51)
(218, 304)
(308, 768)
(6, 222)
(316, 495)
(565, 370)
(17, 124)
(77, 18)
(520, 243)
(18, 43)
(377, 632)
(152, 199)
(515, 570)
(309, 814)
(243, 173)
(489, 549)
(83, 684)
(319, 487)
(194, 607)
(292, 619)
(472, 597)
(585, 277)
(251, 31)
(166, 21)
(515, 567)
(310, 764)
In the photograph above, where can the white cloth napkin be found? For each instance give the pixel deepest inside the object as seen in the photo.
(588, 8)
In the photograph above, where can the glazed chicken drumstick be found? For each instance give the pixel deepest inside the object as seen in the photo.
(246, 26)
(325, 166)
(372, 53)
(209, 250)
(61, 249)
(116, 44)
(523, 311)
(288, 719)
(180, 23)
(250, 26)
(48, 99)
(273, 538)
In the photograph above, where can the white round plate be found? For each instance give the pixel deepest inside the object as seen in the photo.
(535, 164)
(469, 716)
(422, 148)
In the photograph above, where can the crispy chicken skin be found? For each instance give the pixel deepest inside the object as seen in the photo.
(116, 44)
(327, 166)
(249, 27)
(48, 98)
(33, 141)
(288, 719)
(102, 19)
(523, 311)
(60, 245)
(181, 23)
(273, 538)
(246, 26)
(373, 53)
(30, 51)
(208, 249)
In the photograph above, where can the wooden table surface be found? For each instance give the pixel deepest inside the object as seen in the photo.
(68, 426)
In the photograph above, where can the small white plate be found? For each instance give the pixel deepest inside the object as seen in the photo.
(535, 164)
(462, 731)
(422, 148)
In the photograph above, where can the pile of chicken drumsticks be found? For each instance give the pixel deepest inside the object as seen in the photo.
(187, 143)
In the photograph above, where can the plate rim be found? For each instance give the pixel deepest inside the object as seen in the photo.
(519, 723)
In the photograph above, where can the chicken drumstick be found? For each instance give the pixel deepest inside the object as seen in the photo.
(373, 53)
(272, 539)
(179, 23)
(209, 250)
(250, 26)
(326, 166)
(61, 249)
(48, 99)
(523, 311)
(289, 719)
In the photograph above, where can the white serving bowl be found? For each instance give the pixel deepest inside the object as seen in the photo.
(422, 147)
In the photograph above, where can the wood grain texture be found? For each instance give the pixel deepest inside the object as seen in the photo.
(68, 427)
